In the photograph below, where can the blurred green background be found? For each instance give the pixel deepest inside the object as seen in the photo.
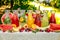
(23, 4)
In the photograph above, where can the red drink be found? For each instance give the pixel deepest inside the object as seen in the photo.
(52, 18)
(15, 19)
(37, 20)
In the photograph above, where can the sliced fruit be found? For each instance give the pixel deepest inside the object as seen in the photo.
(6, 27)
(25, 26)
(55, 26)
(21, 19)
(15, 29)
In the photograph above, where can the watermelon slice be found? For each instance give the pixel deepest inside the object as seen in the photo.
(5, 27)
(55, 26)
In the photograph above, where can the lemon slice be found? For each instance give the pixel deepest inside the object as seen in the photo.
(21, 19)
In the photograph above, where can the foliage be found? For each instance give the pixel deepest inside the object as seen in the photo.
(23, 4)
(58, 3)
(55, 3)
(0, 18)
(15, 7)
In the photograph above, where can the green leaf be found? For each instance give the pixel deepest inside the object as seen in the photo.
(31, 0)
(35, 31)
(15, 7)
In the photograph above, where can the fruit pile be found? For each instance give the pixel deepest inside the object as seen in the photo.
(30, 21)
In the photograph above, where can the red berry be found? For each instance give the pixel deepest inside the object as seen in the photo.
(27, 29)
(41, 30)
(21, 30)
(48, 30)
